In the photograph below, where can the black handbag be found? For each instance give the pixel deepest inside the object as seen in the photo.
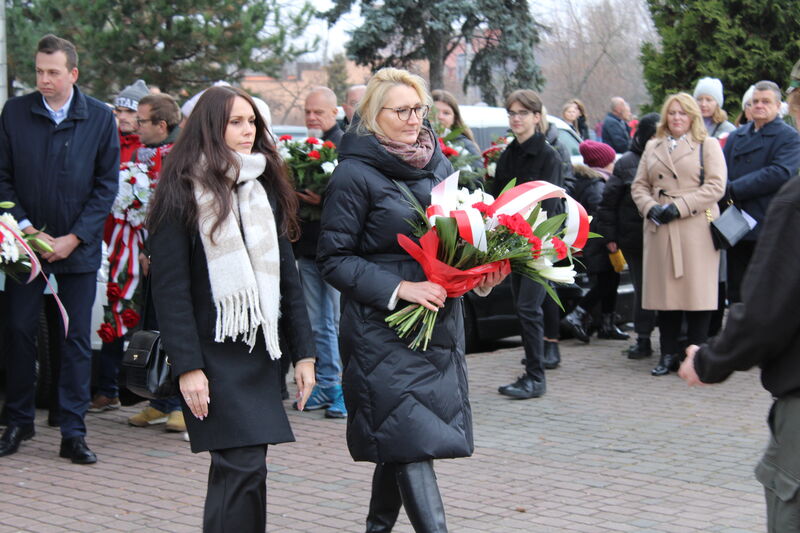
(145, 364)
(730, 227)
(147, 368)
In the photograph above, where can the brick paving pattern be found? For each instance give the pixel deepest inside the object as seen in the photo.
(608, 449)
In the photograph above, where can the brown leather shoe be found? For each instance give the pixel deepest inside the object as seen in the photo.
(102, 403)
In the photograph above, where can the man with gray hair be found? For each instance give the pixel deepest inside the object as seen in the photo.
(352, 97)
(761, 156)
(616, 132)
(322, 300)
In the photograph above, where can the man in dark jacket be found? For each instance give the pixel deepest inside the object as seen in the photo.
(761, 157)
(620, 223)
(59, 156)
(322, 300)
(764, 330)
(616, 132)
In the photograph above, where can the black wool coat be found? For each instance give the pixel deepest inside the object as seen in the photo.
(246, 407)
(403, 405)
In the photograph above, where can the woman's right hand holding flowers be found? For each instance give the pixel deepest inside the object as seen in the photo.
(426, 293)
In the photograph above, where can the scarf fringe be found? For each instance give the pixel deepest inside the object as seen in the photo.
(240, 314)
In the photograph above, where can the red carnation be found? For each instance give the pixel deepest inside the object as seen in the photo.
(106, 333)
(328, 144)
(560, 248)
(285, 138)
(312, 140)
(314, 154)
(132, 180)
(130, 318)
(483, 208)
(136, 203)
(113, 292)
(536, 246)
(450, 152)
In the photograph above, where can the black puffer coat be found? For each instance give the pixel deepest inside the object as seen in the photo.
(618, 217)
(403, 405)
(589, 185)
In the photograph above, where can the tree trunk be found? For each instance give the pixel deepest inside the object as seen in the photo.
(436, 49)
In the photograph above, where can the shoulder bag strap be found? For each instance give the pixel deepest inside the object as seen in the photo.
(702, 165)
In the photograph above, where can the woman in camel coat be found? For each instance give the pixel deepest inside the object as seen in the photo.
(681, 266)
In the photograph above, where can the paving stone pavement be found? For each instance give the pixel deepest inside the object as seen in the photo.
(608, 449)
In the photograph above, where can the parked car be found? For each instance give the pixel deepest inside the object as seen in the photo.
(488, 123)
(494, 317)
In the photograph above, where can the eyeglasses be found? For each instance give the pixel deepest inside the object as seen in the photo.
(521, 114)
(404, 113)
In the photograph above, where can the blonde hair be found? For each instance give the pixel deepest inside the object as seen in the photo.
(375, 96)
(687, 102)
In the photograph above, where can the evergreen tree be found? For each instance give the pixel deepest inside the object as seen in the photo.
(738, 41)
(337, 76)
(172, 44)
(399, 32)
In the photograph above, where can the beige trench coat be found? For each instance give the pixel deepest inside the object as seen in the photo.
(681, 266)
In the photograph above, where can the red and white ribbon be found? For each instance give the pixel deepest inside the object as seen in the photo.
(125, 245)
(521, 199)
(36, 269)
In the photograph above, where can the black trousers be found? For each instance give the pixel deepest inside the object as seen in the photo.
(644, 320)
(604, 290)
(738, 260)
(669, 325)
(528, 298)
(551, 315)
(24, 301)
(236, 499)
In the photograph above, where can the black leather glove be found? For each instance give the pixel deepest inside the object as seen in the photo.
(655, 213)
(668, 213)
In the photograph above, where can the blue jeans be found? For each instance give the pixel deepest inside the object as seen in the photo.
(322, 302)
(167, 405)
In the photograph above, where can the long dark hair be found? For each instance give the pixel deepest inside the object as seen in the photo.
(202, 142)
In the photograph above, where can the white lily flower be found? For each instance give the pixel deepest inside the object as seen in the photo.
(564, 274)
(327, 167)
(490, 169)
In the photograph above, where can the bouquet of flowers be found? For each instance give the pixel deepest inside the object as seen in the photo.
(135, 189)
(311, 163)
(136, 184)
(464, 236)
(492, 155)
(466, 163)
(17, 255)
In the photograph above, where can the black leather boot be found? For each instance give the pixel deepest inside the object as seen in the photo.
(421, 498)
(666, 364)
(552, 355)
(575, 323)
(609, 330)
(385, 502)
(640, 350)
(13, 436)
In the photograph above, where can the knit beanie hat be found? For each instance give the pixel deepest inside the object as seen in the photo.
(129, 96)
(748, 95)
(595, 154)
(710, 86)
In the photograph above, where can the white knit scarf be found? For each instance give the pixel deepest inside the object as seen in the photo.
(243, 264)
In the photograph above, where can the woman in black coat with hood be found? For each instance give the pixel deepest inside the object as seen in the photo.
(405, 407)
(620, 223)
